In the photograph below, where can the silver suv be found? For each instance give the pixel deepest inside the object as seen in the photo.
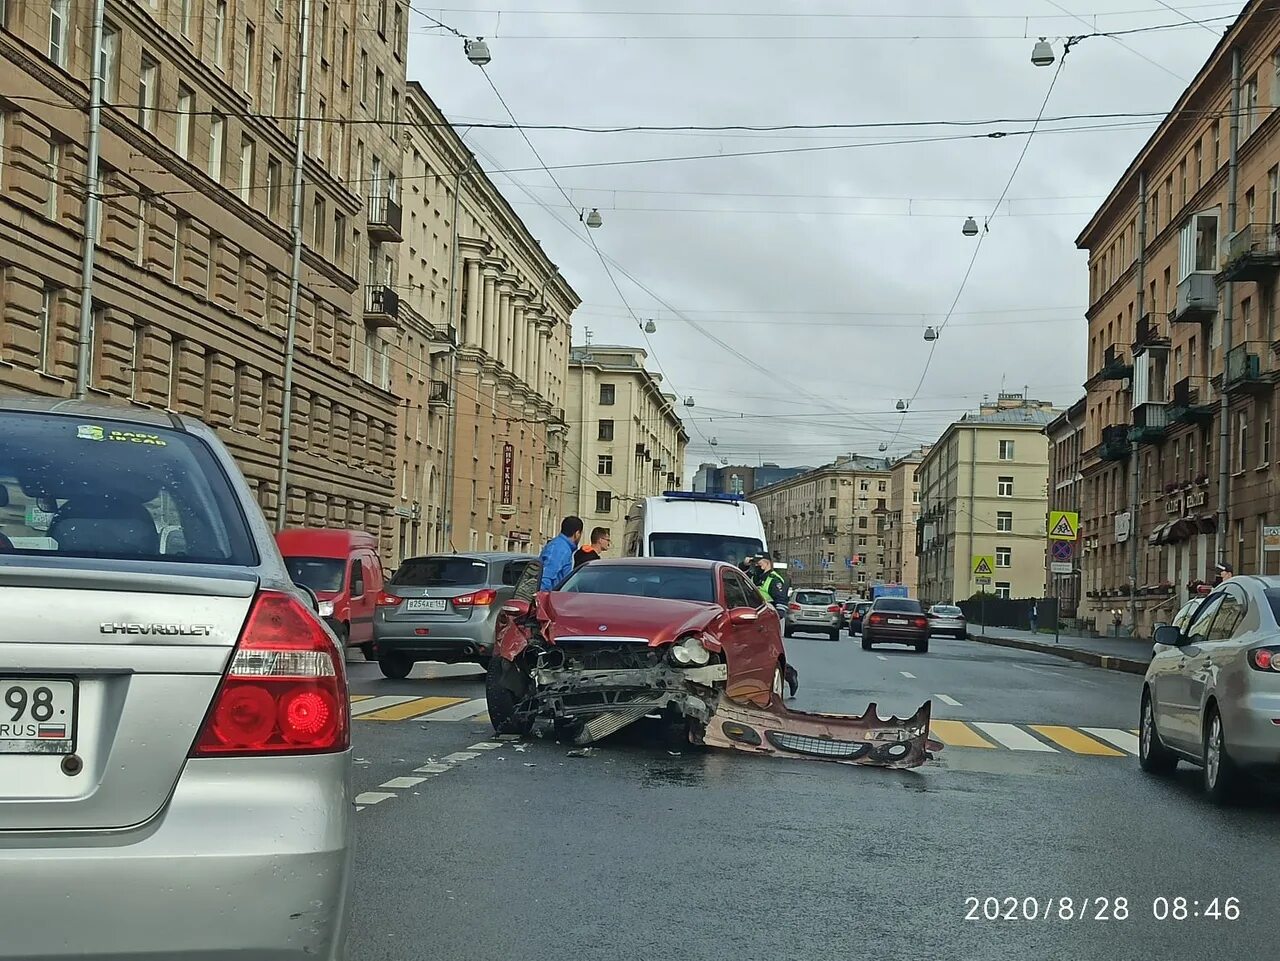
(443, 607)
(816, 612)
(175, 736)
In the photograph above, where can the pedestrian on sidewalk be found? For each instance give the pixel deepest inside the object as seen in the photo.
(1034, 614)
(600, 541)
(557, 557)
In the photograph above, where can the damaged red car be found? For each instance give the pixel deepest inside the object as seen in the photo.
(633, 637)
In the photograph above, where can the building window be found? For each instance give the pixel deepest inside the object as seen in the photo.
(249, 54)
(220, 33)
(339, 237)
(1251, 105)
(862, 540)
(58, 31)
(245, 185)
(139, 341)
(1242, 441)
(1004, 590)
(864, 485)
(604, 465)
(607, 395)
(49, 300)
(217, 145)
(862, 523)
(882, 487)
(318, 217)
(186, 107)
(604, 502)
(274, 173)
(862, 577)
(109, 62)
(53, 171)
(184, 15)
(148, 77)
(606, 430)
(1264, 454)
(831, 503)
(1006, 450)
(378, 81)
(362, 79)
(1004, 487)
(273, 84)
(1004, 557)
(915, 497)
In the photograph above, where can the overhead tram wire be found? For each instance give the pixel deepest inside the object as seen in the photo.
(603, 263)
(964, 281)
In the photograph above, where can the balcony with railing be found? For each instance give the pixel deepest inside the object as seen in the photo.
(439, 394)
(1150, 422)
(1190, 402)
(1115, 444)
(1196, 300)
(386, 219)
(1253, 254)
(381, 307)
(1150, 334)
(1243, 369)
(1114, 365)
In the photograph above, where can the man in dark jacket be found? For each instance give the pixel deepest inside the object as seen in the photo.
(600, 541)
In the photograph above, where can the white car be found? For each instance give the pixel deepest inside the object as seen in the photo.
(1212, 693)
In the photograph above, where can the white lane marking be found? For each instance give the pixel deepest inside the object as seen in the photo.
(432, 768)
(1014, 738)
(402, 782)
(881, 657)
(359, 808)
(460, 712)
(1121, 739)
(457, 756)
(907, 674)
(378, 703)
(485, 746)
(945, 699)
(373, 797)
(1069, 676)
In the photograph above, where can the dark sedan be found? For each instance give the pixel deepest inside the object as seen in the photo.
(854, 613)
(896, 620)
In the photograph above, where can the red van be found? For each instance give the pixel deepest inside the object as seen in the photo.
(345, 571)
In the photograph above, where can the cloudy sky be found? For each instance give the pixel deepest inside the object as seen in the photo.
(791, 287)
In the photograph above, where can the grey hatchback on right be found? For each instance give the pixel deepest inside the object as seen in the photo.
(443, 607)
(1211, 695)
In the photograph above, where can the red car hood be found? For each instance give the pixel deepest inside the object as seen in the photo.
(584, 615)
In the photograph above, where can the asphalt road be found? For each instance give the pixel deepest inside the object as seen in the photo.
(471, 848)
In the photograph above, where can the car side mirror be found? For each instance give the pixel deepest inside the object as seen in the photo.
(517, 608)
(1168, 636)
(743, 615)
(313, 601)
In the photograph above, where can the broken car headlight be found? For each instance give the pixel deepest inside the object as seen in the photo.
(690, 652)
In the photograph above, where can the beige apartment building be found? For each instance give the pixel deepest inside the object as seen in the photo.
(1182, 283)
(191, 283)
(901, 564)
(482, 337)
(828, 525)
(626, 439)
(984, 491)
(1066, 488)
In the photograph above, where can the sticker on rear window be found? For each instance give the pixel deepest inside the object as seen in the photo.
(92, 432)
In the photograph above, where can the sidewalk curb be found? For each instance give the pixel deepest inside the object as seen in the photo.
(1106, 661)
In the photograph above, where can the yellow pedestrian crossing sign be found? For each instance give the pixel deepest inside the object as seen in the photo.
(1063, 525)
(984, 564)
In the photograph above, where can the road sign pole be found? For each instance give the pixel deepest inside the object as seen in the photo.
(983, 611)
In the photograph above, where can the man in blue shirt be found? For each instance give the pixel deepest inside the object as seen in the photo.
(557, 556)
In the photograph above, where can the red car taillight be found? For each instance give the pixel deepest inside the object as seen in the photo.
(1265, 659)
(476, 598)
(388, 600)
(920, 621)
(285, 690)
(876, 619)
(793, 607)
(835, 609)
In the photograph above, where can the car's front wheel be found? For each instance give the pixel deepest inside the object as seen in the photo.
(395, 666)
(503, 702)
(1222, 779)
(1153, 756)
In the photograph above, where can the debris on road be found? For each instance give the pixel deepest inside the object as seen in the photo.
(581, 752)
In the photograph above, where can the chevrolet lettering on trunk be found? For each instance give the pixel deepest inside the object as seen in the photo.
(164, 630)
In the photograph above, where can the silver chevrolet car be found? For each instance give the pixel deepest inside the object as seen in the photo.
(175, 767)
(443, 607)
(1212, 693)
